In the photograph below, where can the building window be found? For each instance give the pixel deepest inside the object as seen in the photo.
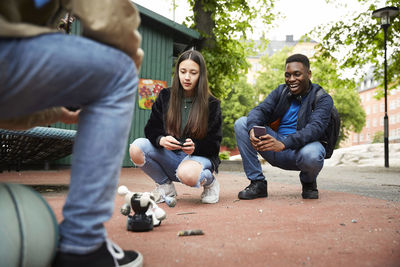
(381, 121)
(382, 107)
(398, 102)
(355, 138)
(367, 137)
(392, 105)
(374, 109)
(361, 137)
(392, 119)
(398, 118)
(374, 123)
(368, 97)
(368, 110)
(367, 124)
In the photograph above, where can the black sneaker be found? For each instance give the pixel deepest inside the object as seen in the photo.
(256, 189)
(109, 254)
(309, 190)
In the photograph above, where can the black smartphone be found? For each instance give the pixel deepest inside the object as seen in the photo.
(259, 131)
(181, 144)
(72, 108)
(181, 141)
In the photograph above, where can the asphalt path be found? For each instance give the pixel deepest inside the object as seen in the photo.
(371, 181)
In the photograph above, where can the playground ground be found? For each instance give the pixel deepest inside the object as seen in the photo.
(355, 222)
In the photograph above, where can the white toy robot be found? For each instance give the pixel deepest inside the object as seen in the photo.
(146, 212)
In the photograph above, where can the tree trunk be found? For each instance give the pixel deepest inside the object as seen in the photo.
(204, 24)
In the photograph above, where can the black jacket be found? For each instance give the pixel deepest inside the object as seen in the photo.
(207, 147)
(311, 121)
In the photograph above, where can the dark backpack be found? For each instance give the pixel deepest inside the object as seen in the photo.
(333, 129)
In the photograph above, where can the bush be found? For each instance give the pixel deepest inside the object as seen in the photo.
(378, 137)
(224, 155)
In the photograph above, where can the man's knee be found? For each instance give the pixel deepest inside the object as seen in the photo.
(312, 157)
(188, 172)
(240, 124)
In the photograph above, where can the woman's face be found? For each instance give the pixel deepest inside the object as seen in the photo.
(189, 73)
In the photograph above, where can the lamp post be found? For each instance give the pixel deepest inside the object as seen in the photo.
(386, 14)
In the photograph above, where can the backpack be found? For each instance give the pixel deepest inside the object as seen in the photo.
(333, 129)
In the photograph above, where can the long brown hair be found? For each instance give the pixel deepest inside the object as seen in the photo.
(197, 124)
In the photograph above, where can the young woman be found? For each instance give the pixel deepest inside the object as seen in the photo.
(183, 133)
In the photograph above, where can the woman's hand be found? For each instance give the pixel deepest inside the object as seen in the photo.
(170, 143)
(188, 146)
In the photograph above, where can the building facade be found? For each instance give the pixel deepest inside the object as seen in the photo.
(375, 111)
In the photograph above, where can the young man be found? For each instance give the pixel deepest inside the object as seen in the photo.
(42, 71)
(295, 142)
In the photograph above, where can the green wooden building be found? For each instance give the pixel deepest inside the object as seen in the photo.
(162, 41)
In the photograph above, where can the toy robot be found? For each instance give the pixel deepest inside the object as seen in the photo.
(146, 212)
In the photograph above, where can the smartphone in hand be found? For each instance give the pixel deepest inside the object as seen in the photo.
(181, 141)
(259, 131)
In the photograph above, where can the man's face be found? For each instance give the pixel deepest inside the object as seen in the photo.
(297, 77)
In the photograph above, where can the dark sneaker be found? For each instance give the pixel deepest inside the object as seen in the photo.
(109, 254)
(256, 189)
(309, 190)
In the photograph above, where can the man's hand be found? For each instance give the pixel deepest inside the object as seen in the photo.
(138, 56)
(69, 117)
(265, 143)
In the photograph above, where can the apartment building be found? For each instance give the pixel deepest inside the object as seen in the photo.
(375, 112)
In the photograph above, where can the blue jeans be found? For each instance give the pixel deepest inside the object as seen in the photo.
(161, 164)
(60, 70)
(309, 159)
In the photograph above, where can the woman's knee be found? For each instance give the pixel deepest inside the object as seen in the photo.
(189, 171)
(136, 151)
(136, 154)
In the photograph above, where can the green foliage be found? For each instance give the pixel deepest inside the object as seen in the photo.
(224, 64)
(272, 73)
(343, 92)
(378, 137)
(239, 101)
(230, 21)
(224, 155)
(363, 38)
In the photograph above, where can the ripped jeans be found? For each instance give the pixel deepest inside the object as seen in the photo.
(161, 164)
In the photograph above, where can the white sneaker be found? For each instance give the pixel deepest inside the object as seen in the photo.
(210, 194)
(167, 189)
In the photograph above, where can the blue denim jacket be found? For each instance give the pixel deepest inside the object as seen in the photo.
(311, 121)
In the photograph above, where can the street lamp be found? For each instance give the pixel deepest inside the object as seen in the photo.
(386, 14)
